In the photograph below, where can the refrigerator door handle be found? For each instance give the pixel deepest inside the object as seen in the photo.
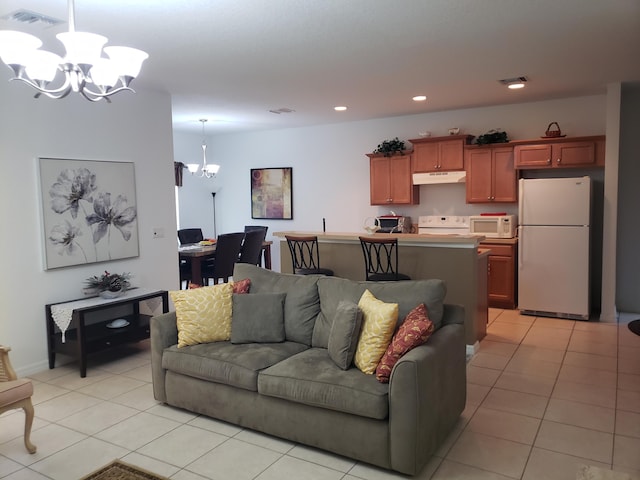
(520, 247)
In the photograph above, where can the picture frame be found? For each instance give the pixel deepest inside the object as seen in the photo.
(88, 211)
(271, 193)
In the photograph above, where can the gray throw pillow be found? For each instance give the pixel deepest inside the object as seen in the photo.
(344, 334)
(258, 318)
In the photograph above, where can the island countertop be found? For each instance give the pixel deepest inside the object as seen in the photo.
(464, 241)
(459, 260)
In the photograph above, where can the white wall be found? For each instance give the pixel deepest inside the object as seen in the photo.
(331, 171)
(133, 128)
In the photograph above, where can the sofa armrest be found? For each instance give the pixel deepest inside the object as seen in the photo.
(164, 333)
(453, 314)
(427, 394)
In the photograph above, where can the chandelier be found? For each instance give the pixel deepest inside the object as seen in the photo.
(84, 69)
(208, 170)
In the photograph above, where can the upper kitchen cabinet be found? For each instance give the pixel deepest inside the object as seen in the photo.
(391, 180)
(491, 177)
(560, 152)
(439, 154)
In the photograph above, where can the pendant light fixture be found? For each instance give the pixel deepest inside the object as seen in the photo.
(84, 69)
(207, 170)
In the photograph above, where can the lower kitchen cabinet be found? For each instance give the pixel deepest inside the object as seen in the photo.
(502, 274)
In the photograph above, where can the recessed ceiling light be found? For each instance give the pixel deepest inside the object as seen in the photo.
(514, 83)
(340, 108)
(419, 98)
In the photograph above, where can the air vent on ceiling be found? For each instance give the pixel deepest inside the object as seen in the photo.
(31, 18)
(282, 110)
(510, 81)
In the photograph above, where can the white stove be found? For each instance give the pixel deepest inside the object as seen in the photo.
(443, 225)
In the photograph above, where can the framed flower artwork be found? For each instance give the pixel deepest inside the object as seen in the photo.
(89, 211)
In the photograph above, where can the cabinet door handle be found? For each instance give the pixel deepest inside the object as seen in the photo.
(558, 160)
(548, 161)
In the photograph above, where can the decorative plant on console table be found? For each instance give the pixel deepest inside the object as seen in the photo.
(108, 285)
(390, 147)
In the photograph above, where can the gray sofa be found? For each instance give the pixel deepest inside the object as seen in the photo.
(293, 389)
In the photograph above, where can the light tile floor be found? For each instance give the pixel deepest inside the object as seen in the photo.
(545, 397)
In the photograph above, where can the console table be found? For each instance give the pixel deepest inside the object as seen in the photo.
(78, 338)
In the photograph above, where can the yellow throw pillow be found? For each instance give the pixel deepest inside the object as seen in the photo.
(378, 324)
(203, 314)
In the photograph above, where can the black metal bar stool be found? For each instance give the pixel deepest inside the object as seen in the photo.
(305, 256)
(381, 259)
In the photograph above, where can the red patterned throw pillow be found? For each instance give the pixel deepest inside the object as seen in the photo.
(415, 330)
(242, 286)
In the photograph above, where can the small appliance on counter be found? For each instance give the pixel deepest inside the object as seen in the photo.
(393, 224)
(493, 225)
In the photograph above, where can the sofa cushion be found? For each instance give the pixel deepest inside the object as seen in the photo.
(224, 362)
(258, 317)
(312, 378)
(302, 304)
(407, 294)
(415, 330)
(345, 330)
(378, 324)
(203, 315)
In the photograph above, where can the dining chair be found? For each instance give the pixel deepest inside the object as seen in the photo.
(251, 251)
(190, 235)
(16, 393)
(305, 256)
(248, 228)
(228, 248)
(381, 259)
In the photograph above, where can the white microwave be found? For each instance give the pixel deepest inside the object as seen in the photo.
(493, 226)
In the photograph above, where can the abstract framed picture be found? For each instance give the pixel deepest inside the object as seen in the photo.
(89, 211)
(271, 193)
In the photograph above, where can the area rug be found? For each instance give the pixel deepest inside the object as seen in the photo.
(118, 470)
(634, 326)
(589, 472)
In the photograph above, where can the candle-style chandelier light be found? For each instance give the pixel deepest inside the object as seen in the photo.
(84, 69)
(208, 170)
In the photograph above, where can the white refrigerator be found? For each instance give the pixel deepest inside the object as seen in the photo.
(553, 257)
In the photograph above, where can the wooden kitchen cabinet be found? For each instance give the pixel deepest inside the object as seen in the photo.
(439, 154)
(560, 153)
(391, 182)
(502, 274)
(491, 177)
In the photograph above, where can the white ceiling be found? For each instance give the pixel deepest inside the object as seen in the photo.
(233, 60)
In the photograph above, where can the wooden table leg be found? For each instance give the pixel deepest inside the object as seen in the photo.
(267, 256)
(196, 270)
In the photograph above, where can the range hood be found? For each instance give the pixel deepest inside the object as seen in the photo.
(439, 177)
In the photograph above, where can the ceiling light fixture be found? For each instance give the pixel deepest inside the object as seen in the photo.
(82, 66)
(419, 98)
(340, 108)
(208, 170)
(514, 83)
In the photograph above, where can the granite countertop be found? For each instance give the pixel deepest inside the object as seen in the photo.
(403, 238)
(500, 241)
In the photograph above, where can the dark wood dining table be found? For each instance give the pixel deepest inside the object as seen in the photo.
(195, 254)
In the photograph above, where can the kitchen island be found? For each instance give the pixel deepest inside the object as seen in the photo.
(456, 259)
